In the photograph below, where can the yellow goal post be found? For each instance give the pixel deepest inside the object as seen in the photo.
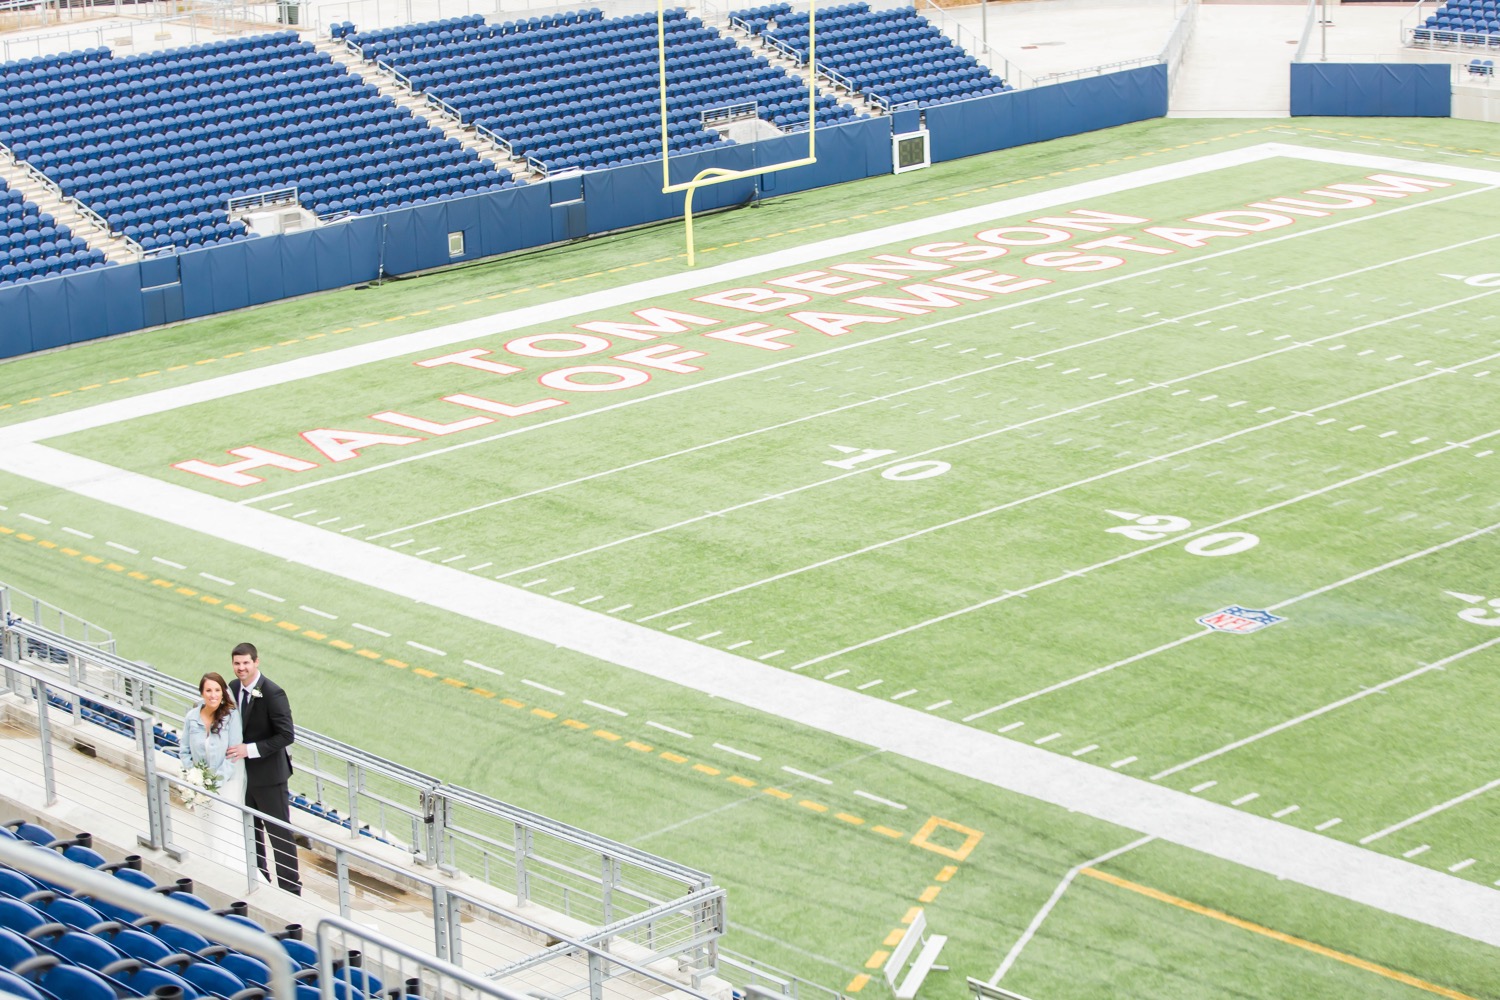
(710, 176)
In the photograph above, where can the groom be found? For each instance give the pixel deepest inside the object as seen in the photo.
(266, 720)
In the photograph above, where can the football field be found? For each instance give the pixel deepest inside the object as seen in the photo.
(1093, 544)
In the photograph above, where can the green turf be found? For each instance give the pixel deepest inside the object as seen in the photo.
(810, 891)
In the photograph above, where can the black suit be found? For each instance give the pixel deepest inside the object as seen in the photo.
(266, 721)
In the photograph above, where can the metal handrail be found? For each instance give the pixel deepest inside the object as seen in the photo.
(48, 865)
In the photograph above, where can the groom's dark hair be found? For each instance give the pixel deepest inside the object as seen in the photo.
(244, 649)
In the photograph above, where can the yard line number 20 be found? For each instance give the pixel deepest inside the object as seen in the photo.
(1154, 527)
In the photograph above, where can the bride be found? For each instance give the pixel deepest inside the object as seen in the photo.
(212, 726)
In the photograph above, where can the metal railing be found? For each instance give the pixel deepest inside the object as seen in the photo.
(34, 609)
(1177, 42)
(445, 826)
(729, 113)
(414, 973)
(261, 199)
(51, 867)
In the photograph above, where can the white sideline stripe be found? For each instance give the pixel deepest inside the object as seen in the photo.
(217, 579)
(320, 614)
(1324, 710)
(669, 729)
(1057, 894)
(1170, 540)
(810, 777)
(75, 531)
(877, 798)
(33, 517)
(269, 597)
(1430, 896)
(1086, 675)
(739, 753)
(1068, 411)
(605, 708)
(543, 687)
(425, 648)
(168, 562)
(371, 629)
(123, 548)
(550, 312)
(1278, 814)
(1011, 503)
(1466, 796)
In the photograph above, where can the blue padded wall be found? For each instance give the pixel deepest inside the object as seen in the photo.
(1024, 116)
(1403, 90)
(76, 307)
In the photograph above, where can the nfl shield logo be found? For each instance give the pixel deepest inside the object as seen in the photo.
(1238, 620)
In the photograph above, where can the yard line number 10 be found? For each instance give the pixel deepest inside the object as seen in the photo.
(902, 473)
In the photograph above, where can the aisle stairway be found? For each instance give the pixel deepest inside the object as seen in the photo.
(418, 104)
(65, 211)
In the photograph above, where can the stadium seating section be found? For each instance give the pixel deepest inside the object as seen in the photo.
(58, 946)
(156, 143)
(1472, 22)
(33, 245)
(580, 91)
(893, 56)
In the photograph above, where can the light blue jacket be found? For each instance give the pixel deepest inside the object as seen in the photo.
(201, 746)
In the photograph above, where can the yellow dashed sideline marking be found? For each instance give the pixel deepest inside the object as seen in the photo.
(857, 983)
(1275, 935)
(933, 824)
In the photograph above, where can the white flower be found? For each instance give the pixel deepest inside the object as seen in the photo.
(197, 779)
(255, 692)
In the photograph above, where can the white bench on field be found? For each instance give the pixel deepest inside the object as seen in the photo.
(911, 980)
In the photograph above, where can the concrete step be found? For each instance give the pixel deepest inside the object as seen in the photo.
(65, 211)
(777, 58)
(418, 104)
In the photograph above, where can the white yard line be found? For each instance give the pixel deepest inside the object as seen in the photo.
(1324, 710)
(999, 507)
(932, 384)
(1466, 796)
(1390, 884)
(1136, 553)
(1088, 674)
(1052, 901)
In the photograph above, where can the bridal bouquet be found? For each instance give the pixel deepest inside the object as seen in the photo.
(199, 779)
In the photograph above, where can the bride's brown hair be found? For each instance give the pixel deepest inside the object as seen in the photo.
(222, 712)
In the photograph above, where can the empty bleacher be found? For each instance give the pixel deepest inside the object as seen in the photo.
(155, 144)
(1462, 22)
(581, 91)
(534, 918)
(32, 245)
(58, 944)
(888, 56)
